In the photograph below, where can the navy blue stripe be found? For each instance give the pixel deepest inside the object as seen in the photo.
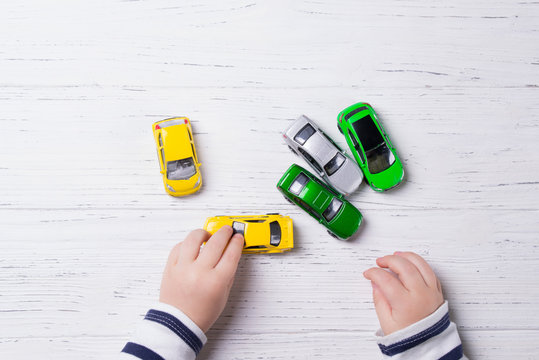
(142, 352)
(417, 339)
(454, 354)
(177, 327)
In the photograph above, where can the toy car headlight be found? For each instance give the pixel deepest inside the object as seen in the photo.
(170, 188)
(198, 182)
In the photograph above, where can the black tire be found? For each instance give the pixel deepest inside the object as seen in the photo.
(290, 201)
(333, 235)
(340, 130)
(273, 214)
(294, 151)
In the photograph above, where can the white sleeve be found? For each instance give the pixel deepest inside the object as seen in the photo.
(434, 337)
(166, 333)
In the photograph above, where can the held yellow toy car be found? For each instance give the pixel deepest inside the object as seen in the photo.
(271, 233)
(177, 156)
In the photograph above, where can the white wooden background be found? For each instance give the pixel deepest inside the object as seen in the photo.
(85, 224)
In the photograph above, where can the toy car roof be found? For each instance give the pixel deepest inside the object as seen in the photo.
(176, 142)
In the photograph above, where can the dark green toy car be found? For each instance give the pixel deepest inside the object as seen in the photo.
(371, 146)
(323, 203)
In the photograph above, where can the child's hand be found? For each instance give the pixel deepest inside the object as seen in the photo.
(402, 300)
(198, 282)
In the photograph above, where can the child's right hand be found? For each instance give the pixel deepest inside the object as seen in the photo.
(198, 281)
(402, 300)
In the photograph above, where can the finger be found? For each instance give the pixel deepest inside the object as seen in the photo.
(213, 250)
(231, 256)
(382, 306)
(190, 247)
(424, 268)
(439, 286)
(408, 274)
(389, 285)
(173, 255)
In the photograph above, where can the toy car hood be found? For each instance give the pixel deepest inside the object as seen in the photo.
(346, 221)
(389, 178)
(348, 178)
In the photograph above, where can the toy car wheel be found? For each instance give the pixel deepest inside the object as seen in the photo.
(294, 151)
(287, 199)
(333, 235)
(340, 130)
(273, 214)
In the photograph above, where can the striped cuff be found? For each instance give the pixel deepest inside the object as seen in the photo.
(434, 337)
(165, 333)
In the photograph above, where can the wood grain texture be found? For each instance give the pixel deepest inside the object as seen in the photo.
(85, 226)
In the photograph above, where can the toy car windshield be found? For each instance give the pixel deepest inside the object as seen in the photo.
(332, 209)
(367, 132)
(355, 111)
(298, 184)
(304, 134)
(380, 159)
(172, 122)
(334, 164)
(238, 228)
(181, 169)
(275, 233)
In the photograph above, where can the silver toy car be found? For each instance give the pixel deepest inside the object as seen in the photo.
(306, 139)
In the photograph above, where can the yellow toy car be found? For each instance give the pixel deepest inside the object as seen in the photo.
(271, 233)
(177, 156)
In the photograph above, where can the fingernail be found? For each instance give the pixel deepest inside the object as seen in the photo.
(398, 252)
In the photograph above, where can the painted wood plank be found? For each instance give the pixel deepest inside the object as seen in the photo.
(85, 225)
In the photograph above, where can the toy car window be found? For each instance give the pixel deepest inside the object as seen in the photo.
(181, 169)
(356, 146)
(238, 228)
(171, 123)
(380, 159)
(367, 133)
(304, 134)
(332, 209)
(354, 141)
(194, 153)
(334, 164)
(298, 184)
(360, 153)
(310, 160)
(160, 140)
(353, 112)
(275, 232)
(163, 156)
(308, 208)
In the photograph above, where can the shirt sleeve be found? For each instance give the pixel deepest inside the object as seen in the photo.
(166, 333)
(434, 337)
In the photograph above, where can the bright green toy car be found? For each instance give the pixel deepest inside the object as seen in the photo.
(326, 205)
(371, 146)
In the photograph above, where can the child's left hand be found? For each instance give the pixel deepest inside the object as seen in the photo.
(410, 294)
(198, 282)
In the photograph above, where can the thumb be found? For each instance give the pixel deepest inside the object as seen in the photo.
(383, 309)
